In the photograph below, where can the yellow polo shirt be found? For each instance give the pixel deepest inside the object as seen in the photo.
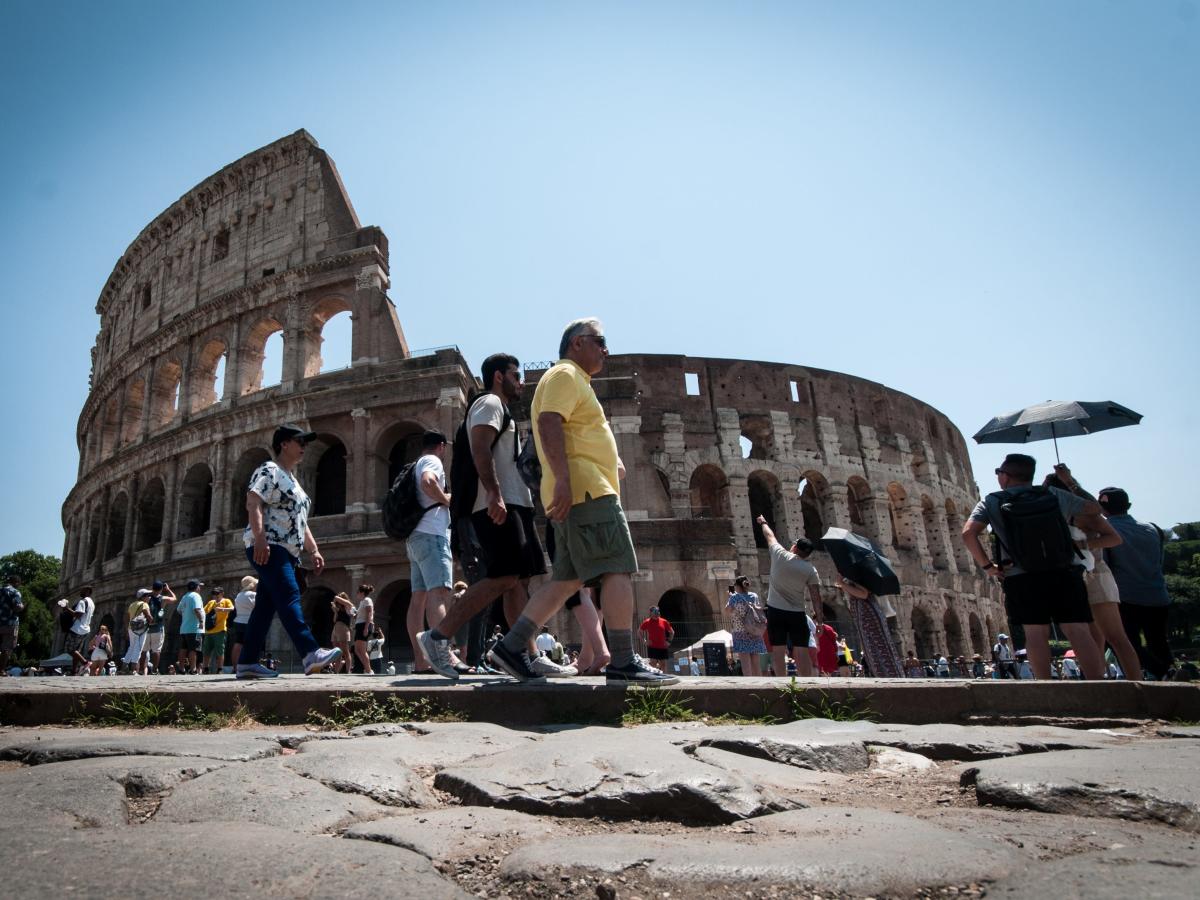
(591, 448)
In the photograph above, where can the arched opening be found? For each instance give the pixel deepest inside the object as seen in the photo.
(328, 467)
(689, 613)
(151, 502)
(862, 516)
(317, 612)
(209, 363)
(261, 361)
(398, 445)
(118, 513)
(955, 646)
(135, 402)
(391, 607)
(709, 490)
(814, 500)
(933, 534)
(108, 620)
(756, 430)
(979, 643)
(925, 636)
(242, 470)
(195, 502)
(164, 395)
(331, 310)
(763, 490)
(902, 538)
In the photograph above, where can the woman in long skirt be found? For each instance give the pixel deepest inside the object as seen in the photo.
(874, 641)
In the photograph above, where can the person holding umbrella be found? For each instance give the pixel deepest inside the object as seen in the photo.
(874, 642)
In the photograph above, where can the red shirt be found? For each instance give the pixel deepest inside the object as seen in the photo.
(656, 632)
(827, 648)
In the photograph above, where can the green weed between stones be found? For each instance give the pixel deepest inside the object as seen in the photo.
(364, 708)
(646, 706)
(148, 710)
(805, 703)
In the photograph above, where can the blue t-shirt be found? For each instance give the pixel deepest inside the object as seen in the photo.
(1138, 562)
(188, 605)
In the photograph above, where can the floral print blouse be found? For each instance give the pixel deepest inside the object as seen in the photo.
(285, 508)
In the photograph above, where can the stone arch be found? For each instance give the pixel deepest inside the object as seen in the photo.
(253, 354)
(135, 402)
(164, 393)
(689, 612)
(979, 641)
(391, 607)
(925, 634)
(902, 536)
(108, 620)
(242, 470)
(93, 535)
(317, 612)
(209, 365)
(763, 490)
(709, 489)
(933, 534)
(955, 645)
(398, 444)
(325, 466)
(757, 430)
(815, 506)
(325, 310)
(195, 501)
(862, 514)
(151, 503)
(118, 516)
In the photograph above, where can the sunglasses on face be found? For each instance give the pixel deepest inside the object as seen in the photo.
(601, 340)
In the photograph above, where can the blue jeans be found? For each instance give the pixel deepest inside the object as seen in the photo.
(277, 593)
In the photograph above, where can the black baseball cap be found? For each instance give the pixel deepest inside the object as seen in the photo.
(291, 432)
(195, 583)
(1113, 499)
(159, 585)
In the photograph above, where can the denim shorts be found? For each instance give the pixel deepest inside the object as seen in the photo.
(429, 558)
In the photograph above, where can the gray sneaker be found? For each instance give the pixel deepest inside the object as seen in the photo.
(319, 659)
(515, 664)
(638, 672)
(438, 654)
(544, 665)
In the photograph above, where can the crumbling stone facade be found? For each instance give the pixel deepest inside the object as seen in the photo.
(271, 244)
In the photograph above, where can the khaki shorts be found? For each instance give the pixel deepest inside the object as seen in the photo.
(593, 541)
(1101, 587)
(154, 641)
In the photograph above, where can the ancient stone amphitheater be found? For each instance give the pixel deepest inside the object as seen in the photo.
(271, 245)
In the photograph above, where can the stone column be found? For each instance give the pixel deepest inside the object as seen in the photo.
(233, 375)
(743, 525)
(792, 524)
(675, 451)
(357, 574)
(170, 527)
(185, 384)
(148, 401)
(102, 539)
(219, 512)
(130, 523)
(626, 429)
(839, 502)
(913, 517)
(122, 399)
(944, 537)
(357, 464)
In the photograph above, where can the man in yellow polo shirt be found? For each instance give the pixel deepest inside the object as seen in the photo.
(580, 492)
(219, 608)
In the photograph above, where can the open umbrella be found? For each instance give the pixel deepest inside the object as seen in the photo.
(856, 558)
(1054, 419)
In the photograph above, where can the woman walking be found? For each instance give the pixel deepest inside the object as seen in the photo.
(747, 626)
(874, 642)
(243, 605)
(343, 619)
(277, 535)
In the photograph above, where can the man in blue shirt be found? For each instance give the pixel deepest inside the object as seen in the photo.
(1137, 567)
(191, 626)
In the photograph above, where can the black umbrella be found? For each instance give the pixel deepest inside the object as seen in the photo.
(1054, 419)
(859, 560)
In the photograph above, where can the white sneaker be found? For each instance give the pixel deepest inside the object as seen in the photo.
(319, 659)
(544, 665)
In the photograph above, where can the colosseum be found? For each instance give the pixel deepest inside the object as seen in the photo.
(179, 414)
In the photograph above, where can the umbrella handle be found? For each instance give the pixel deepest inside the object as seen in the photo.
(1054, 437)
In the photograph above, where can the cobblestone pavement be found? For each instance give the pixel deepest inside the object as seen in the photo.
(810, 808)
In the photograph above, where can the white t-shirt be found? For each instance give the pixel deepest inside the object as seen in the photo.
(362, 614)
(243, 605)
(437, 519)
(544, 642)
(1003, 651)
(83, 624)
(489, 410)
(375, 648)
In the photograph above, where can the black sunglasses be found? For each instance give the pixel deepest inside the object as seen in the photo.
(601, 340)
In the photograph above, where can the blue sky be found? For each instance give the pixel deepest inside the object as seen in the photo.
(985, 205)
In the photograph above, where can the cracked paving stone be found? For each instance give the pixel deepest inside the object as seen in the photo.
(1179, 731)
(56, 745)
(267, 793)
(610, 772)
(829, 849)
(455, 832)
(373, 767)
(1157, 781)
(439, 744)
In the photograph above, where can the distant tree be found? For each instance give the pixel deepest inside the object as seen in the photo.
(39, 588)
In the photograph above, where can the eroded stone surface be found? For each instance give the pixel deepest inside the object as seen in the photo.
(373, 767)
(59, 744)
(838, 848)
(1148, 781)
(1180, 731)
(606, 772)
(454, 832)
(803, 744)
(267, 793)
(890, 761)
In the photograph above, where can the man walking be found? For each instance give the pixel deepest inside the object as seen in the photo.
(77, 635)
(1037, 562)
(659, 635)
(581, 494)
(428, 547)
(1002, 657)
(500, 531)
(11, 608)
(138, 616)
(160, 601)
(1137, 566)
(794, 585)
(191, 627)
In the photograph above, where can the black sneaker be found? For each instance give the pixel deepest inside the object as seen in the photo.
(515, 664)
(638, 672)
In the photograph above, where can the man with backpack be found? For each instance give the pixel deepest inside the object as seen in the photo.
(493, 508)
(1037, 561)
(138, 614)
(160, 601)
(11, 608)
(428, 546)
(1137, 566)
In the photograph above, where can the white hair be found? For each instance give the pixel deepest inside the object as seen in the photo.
(573, 330)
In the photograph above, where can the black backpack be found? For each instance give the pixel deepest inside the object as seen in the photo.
(402, 509)
(464, 477)
(1038, 537)
(66, 619)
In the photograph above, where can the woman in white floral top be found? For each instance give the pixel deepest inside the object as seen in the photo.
(277, 535)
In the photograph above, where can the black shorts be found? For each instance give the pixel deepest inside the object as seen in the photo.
(512, 548)
(658, 652)
(239, 632)
(190, 642)
(1039, 598)
(786, 624)
(360, 631)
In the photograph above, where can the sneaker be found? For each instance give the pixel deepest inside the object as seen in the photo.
(258, 670)
(515, 664)
(320, 658)
(438, 654)
(637, 672)
(544, 665)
